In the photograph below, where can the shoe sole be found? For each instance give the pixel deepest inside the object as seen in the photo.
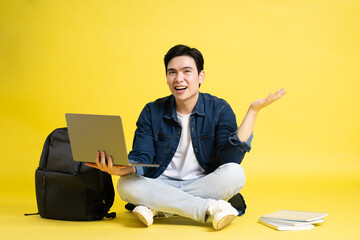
(141, 218)
(224, 222)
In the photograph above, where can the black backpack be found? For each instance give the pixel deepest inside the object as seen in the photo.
(69, 190)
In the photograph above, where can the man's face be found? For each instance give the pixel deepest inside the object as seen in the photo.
(183, 78)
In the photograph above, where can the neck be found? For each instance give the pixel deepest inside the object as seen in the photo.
(187, 106)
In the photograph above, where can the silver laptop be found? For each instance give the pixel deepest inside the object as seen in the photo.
(91, 133)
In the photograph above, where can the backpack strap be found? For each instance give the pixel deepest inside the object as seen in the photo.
(31, 214)
(129, 206)
(111, 215)
(109, 194)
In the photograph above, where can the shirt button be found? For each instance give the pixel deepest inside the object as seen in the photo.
(195, 149)
(173, 152)
(178, 133)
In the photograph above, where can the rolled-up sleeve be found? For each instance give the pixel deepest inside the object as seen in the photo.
(139, 170)
(246, 146)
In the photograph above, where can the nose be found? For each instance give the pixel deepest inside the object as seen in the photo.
(179, 77)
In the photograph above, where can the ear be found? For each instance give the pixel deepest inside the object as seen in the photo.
(201, 76)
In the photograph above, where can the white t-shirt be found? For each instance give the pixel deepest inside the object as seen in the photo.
(184, 165)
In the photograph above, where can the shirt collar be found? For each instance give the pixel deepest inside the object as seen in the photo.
(199, 108)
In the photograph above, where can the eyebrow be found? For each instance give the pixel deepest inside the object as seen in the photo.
(173, 69)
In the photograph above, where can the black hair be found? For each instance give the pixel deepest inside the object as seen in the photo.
(182, 50)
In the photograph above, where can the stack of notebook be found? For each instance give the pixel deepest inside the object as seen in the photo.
(292, 220)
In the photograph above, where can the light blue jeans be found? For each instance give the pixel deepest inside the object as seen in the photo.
(189, 198)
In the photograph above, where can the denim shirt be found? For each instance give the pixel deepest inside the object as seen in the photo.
(213, 131)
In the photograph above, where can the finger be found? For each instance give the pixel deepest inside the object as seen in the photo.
(272, 98)
(97, 157)
(283, 92)
(280, 93)
(110, 162)
(277, 94)
(98, 160)
(268, 99)
(103, 160)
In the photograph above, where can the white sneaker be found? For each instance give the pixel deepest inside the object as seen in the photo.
(144, 214)
(222, 214)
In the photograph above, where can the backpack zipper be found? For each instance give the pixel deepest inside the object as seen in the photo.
(77, 173)
(50, 139)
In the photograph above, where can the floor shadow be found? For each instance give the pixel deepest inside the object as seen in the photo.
(127, 219)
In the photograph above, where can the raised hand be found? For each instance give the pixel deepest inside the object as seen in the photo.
(261, 103)
(247, 125)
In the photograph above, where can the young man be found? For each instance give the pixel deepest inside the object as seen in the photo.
(194, 138)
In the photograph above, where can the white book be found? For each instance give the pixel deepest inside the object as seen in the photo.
(295, 215)
(284, 227)
(292, 223)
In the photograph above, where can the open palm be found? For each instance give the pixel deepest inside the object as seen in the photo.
(261, 103)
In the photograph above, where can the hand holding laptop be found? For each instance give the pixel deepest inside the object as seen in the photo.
(109, 167)
(89, 133)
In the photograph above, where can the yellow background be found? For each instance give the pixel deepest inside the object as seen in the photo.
(106, 57)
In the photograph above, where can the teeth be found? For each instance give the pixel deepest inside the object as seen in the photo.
(180, 88)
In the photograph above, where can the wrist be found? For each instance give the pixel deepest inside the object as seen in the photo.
(253, 111)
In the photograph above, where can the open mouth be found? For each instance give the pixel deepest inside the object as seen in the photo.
(180, 89)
